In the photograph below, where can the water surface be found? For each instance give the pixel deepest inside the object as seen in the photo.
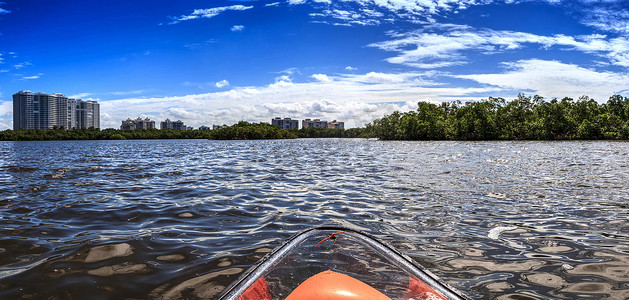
(183, 218)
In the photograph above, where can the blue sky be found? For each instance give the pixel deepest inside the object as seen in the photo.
(218, 62)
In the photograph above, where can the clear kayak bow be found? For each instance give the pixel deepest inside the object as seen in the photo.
(337, 263)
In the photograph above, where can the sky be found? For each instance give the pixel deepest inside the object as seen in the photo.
(220, 62)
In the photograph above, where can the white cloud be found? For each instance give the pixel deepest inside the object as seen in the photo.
(428, 49)
(182, 114)
(272, 4)
(350, 17)
(554, 79)
(200, 44)
(375, 12)
(375, 77)
(207, 13)
(32, 77)
(222, 83)
(606, 15)
(80, 95)
(609, 16)
(353, 98)
(352, 113)
(5, 124)
(3, 11)
(350, 68)
(321, 77)
(6, 109)
(22, 65)
(122, 93)
(290, 71)
(237, 28)
(283, 78)
(419, 6)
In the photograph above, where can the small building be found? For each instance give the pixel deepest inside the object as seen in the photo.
(138, 123)
(316, 123)
(127, 124)
(203, 127)
(285, 123)
(176, 125)
(336, 125)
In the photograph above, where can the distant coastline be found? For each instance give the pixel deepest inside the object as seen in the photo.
(524, 118)
(240, 131)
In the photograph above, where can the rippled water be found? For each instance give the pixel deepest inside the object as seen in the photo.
(183, 218)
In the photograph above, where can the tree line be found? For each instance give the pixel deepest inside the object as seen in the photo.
(59, 134)
(524, 118)
(250, 131)
(239, 131)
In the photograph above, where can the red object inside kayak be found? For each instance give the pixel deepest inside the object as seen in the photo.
(330, 285)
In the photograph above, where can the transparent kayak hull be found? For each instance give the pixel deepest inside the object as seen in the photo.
(337, 263)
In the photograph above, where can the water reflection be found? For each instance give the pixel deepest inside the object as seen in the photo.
(202, 287)
(108, 251)
(119, 269)
(182, 219)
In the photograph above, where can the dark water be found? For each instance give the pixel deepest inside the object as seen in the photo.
(182, 219)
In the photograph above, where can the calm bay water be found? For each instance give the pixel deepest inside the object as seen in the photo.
(183, 218)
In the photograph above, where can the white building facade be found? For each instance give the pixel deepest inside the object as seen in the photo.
(48, 111)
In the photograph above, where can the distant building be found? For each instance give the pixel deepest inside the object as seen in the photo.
(204, 127)
(177, 125)
(316, 123)
(87, 114)
(337, 125)
(47, 111)
(138, 123)
(214, 126)
(285, 123)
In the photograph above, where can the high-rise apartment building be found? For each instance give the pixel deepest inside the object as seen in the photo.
(47, 111)
(336, 125)
(316, 123)
(177, 125)
(285, 123)
(138, 123)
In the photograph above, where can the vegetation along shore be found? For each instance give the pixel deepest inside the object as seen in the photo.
(524, 118)
(240, 131)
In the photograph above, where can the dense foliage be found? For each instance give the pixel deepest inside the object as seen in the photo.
(242, 130)
(96, 134)
(313, 132)
(239, 131)
(251, 131)
(524, 118)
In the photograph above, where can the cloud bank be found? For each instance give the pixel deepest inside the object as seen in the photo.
(447, 45)
(358, 99)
